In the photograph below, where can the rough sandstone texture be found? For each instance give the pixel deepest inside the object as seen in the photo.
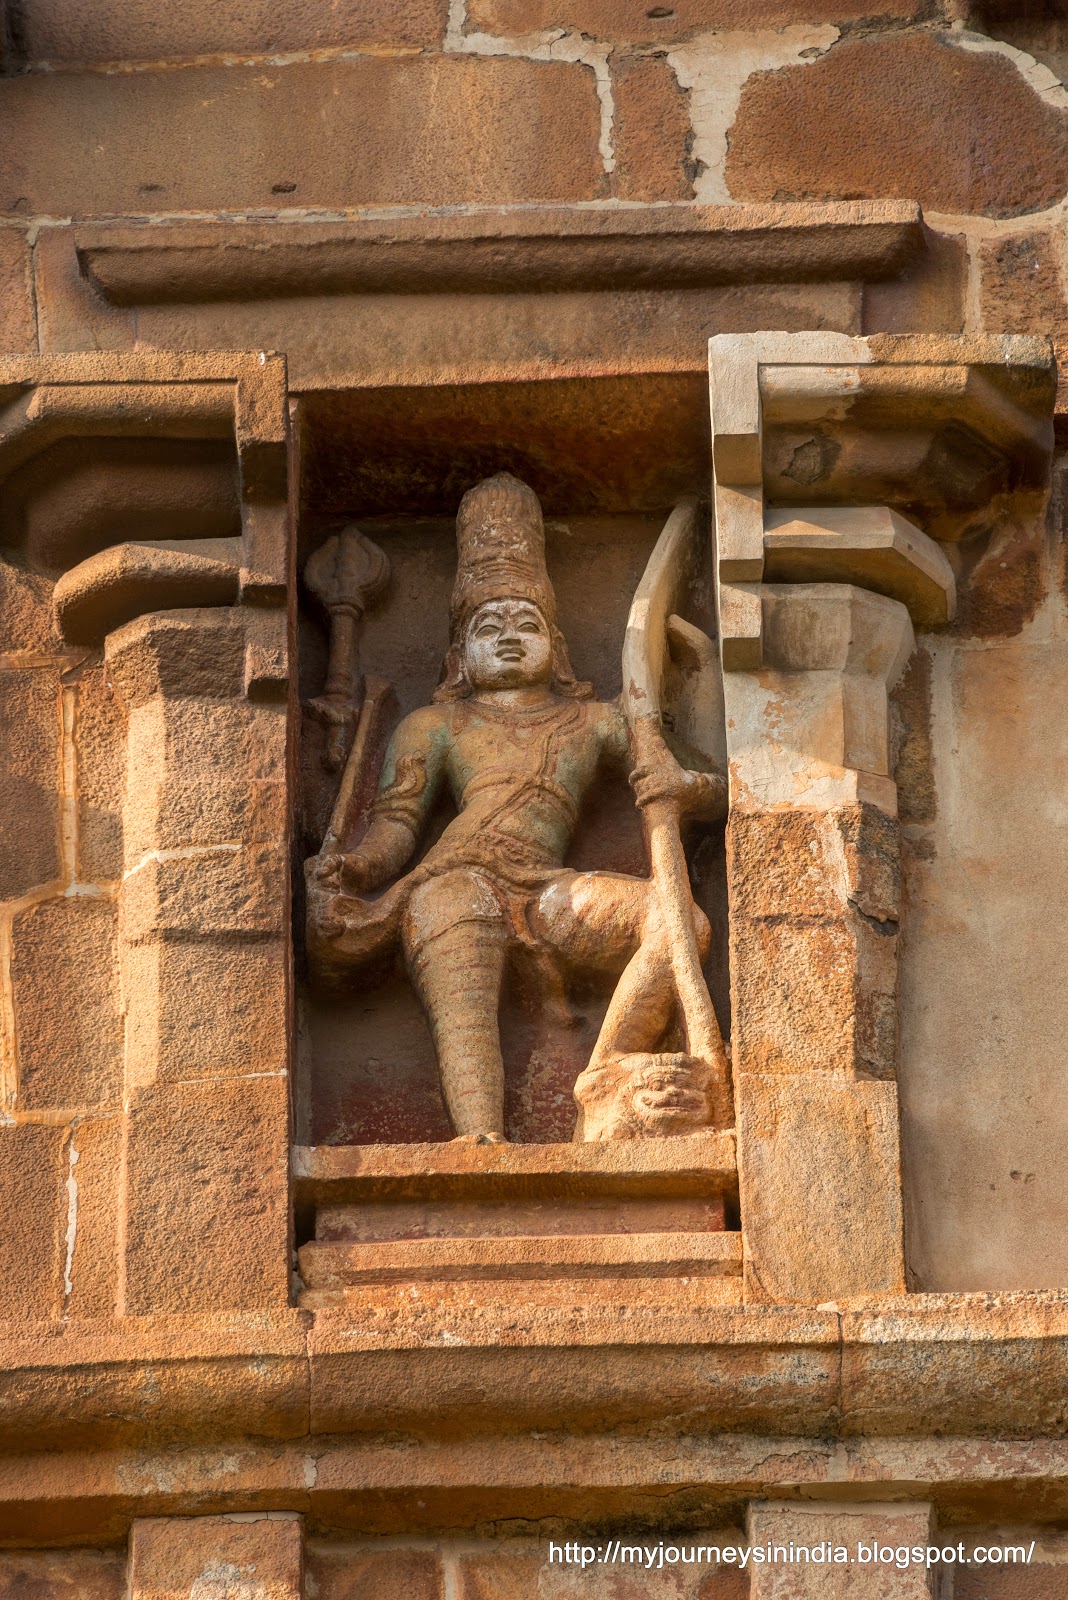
(637, 20)
(651, 130)
(849, 1527)
(365, 130)
(216, 1557)
(114, 31)
(155, 1437)
(911, 115)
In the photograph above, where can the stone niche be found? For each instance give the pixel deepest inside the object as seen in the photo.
(382, 1190)
(366, 1065)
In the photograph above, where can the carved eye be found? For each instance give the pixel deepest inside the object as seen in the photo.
(529, 626)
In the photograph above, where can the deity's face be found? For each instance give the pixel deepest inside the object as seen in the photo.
(508, 646)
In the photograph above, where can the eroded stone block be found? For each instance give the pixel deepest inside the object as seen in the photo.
(347, 1572)
(206, 1187)
(863, 1530)
(68, 1011)
(94, 1204)
(99, 749)
(117, 31)
(205, 1009)
(820, 1181)
(203, 772)
(651, 132)
(221, 890)
(18, 328)
(33, 1173)
(216, 1558)
(638, 22)
(30, 722)
(26, 619)
(62, 1575)
(366, 129)
(813, 938)
(958, 130)
(517, 1569)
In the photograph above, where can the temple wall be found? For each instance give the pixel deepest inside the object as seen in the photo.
(175, 178)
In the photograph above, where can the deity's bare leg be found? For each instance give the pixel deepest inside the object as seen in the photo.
(600, 919)
(630, 1085)
(456, 941)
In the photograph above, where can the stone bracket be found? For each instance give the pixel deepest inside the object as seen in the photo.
(898, 431)
(188, 450)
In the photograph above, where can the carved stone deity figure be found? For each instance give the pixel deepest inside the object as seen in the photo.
(517, 742)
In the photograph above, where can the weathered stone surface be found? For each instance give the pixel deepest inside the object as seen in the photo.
(113, 31)
(1012, 1578)
(33, 1172)
(820, 1181)
(26, 618)
(203, 773)
(94, 1205)
(926, 297)
(985, 1202)
(29, 779)
(893, 1529)
(99, 752)
(637, 21)
(216, 1558)
(957, 130)
(205, 1009)
(651, 133)
(1022, 288)
(813, 941)
(347, 1572)
(516, 1568)
(223, 890)
(63, 1575)
(68, 1014)
(207, 1161)
(342, 133)
(910, 735)
(18, 325)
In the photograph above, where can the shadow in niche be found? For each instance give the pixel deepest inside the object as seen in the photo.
(367, 1073)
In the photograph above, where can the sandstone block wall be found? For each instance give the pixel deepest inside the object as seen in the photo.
(263, 113)
(61, 1055)
(258, 114)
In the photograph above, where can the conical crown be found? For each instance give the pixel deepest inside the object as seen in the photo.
(500, 545)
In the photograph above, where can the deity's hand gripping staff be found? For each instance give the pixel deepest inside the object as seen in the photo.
(517, 742)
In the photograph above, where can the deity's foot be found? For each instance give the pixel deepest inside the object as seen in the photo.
(479, 1138)
(644, 1095)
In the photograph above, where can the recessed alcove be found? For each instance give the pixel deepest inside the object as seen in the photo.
(366, 1070)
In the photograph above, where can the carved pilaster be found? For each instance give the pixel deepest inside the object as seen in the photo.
(818, 588)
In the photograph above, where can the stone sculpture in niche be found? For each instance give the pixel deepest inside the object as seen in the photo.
(518, 742)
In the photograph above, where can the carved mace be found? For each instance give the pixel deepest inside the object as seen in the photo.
(347, 575)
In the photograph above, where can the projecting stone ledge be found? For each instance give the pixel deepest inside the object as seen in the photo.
(504, 249)
(337, 1174)
(974, 1365)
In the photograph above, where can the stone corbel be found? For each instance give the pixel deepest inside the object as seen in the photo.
(836, 461)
